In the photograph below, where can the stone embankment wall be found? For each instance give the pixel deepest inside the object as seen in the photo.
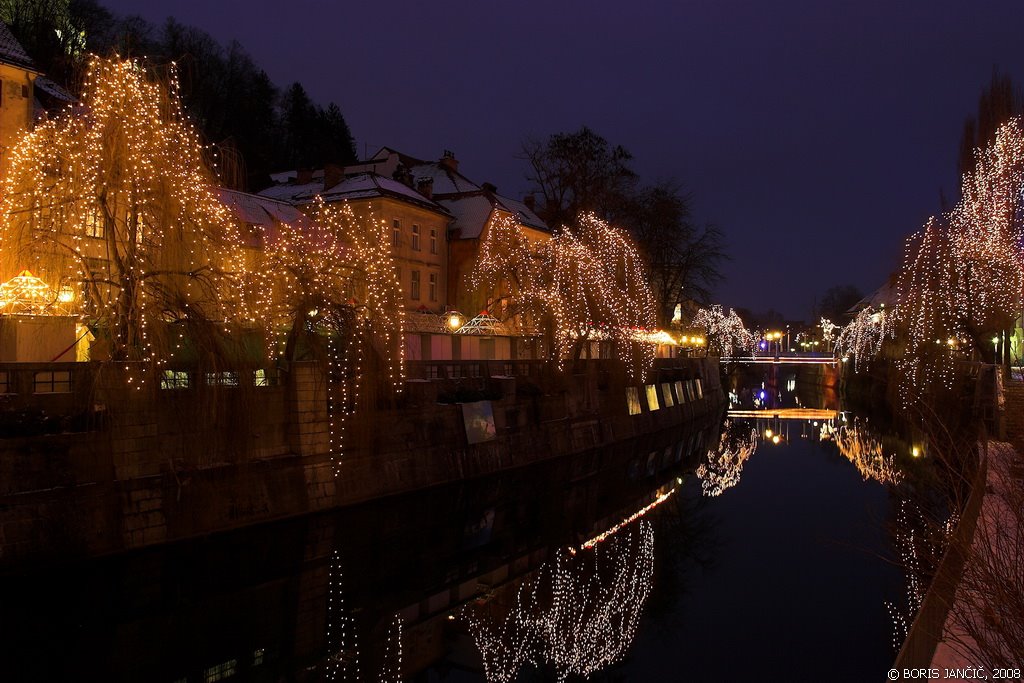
(94, 465)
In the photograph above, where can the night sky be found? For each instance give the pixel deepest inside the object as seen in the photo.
(817, 135)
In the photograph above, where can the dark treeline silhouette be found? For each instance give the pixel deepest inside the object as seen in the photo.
(257, 126)
(582, 171)
(999, 101)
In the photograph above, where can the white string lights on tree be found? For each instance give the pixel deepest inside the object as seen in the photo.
(586, 283)
(113, 203)
(724, 332)
(332, 275)
(962, 274)
(113, 206)
(862, 337)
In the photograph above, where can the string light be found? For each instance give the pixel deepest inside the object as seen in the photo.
(858, 444)
(579, 613)
(724, 332)
(114, 199)
(585, 284)
(723, 466)
(962, 274)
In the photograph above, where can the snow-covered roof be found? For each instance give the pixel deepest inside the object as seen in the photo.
(885, 296)
(359, 186)
(446, 181)
(473, 211)
(289, 192)
(524, 214)
(257, 210)
(11, 51)
(54, 90)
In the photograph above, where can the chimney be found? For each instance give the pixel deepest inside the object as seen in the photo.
(402, 175)
(425, 186)
(449, 161)
(333, 174)
(529, 201)
(304, 176)
(490, 188)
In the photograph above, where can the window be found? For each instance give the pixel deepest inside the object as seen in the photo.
(93, 223)
(53, 382)
(267, 378)
(414, 287)
(222, 379)
(666, 393)
(221, 671)
(396, 233)
(415, 237)
(433, 240)
(257, 656)
(174, 379)
(433, 286)
(633, 400)
(652, 397)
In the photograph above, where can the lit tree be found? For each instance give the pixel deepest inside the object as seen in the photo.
(862, 337)
(962, 276)
(725, 333)
(586, 283)
(114, 202)
(327, 286)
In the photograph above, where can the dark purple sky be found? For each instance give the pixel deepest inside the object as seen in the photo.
(816, 134)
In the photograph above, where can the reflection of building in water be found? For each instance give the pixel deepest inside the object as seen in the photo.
(724, 464)
(864, 449)
(577, 614)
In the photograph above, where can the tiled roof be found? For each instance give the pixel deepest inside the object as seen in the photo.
(11, 51)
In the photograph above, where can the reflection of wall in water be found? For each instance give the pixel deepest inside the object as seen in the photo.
(255, 602)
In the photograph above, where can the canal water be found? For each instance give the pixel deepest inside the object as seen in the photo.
(758, 546)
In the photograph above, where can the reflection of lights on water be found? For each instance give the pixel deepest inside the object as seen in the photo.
(579, 613)
(724, 464)
(864, 449)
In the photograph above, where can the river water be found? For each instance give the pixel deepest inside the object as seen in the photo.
(757, 547)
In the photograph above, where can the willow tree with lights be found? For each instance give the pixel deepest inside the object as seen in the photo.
(962, 275)
(585, 284)
(596, 289)
(508, 273)
(725, 332)
(114, 201)
(324, 288)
